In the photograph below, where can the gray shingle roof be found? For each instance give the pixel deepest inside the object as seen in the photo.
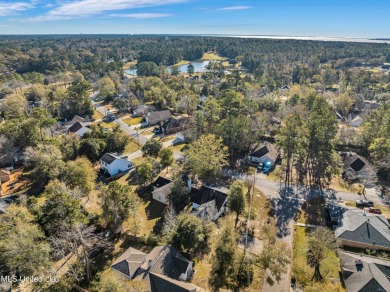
(369, 228)
(129, 262)
(265, 149)
(161, 283)
(207, 211)
(362, 273)
(156, 117)
(75, 127)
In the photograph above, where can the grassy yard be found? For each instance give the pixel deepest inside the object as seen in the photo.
(133, 121)
(178, 147)
(132, 146)
(97, 115)
(303, 273)
(212, 57)
(129, 65)
(181, 63)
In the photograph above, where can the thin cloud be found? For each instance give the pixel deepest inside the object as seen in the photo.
(84, 8)
(7, 9)
(234, 8)
(142, 15)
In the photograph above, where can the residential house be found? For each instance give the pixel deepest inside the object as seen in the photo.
(207, 203)
(142, 110)
(360, 229)
(266, 154)
(202, 203)
(77, 119)
(161, 194)
(79, 128)
(156, 118)
(5, 175)
(364, 273)
(113, 164)
(182, 137)
(163, 269)
(355, 122)
(176, 125)
(357, 169)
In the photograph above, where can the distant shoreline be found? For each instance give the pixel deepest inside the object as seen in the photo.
(274, 37)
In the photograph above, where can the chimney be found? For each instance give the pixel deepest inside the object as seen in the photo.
(150, 263)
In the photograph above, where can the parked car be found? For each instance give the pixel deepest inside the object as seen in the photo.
(373, 210)
(364, 203)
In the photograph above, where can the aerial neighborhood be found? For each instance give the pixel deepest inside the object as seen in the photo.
(189, 163)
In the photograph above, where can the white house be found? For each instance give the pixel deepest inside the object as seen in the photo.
(114, 164)
(79, 128)
(161, 194)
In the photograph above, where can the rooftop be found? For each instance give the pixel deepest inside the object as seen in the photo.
(363, 273)
(358, 226)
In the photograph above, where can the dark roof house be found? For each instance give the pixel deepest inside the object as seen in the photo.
(265, 152)
(356, 228)
(363, 273)
(357, 168)
(141, 110)
(163, 269)
(176, 125)
(77, 119)
(154, 118)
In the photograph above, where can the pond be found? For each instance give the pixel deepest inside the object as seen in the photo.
(199, 66)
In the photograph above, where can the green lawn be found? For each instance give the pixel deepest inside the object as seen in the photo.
(212, 57)
(133, 121)
(132, 147)
(303, 273)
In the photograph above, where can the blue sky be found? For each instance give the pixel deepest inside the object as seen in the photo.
(339, 18)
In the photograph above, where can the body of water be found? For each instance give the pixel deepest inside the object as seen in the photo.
(199, 66)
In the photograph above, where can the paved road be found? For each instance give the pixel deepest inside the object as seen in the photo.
(286, 203)
(125, 127)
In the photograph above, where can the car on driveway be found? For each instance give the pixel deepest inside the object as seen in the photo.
(373, 210)
(364, 203)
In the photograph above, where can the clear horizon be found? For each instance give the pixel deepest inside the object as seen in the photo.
(329, 19)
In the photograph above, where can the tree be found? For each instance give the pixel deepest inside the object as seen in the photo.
(106, 87)
(23, 248)
(321, 241)
(82, 241)
(169, 223)
(343, 104)
(145, 171)
(274, 260)
(206, 156)
(147, 69)
(224, 259)
(15, 106)
(237, 200)
(166, 157)
(62, 208)
(118, 202)
(152, 148)
(117, 140)
(191, 234)
(190, 69)
(80, 174)
(175, 71)
(92, 148)
(179, 195)
(46, 162)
